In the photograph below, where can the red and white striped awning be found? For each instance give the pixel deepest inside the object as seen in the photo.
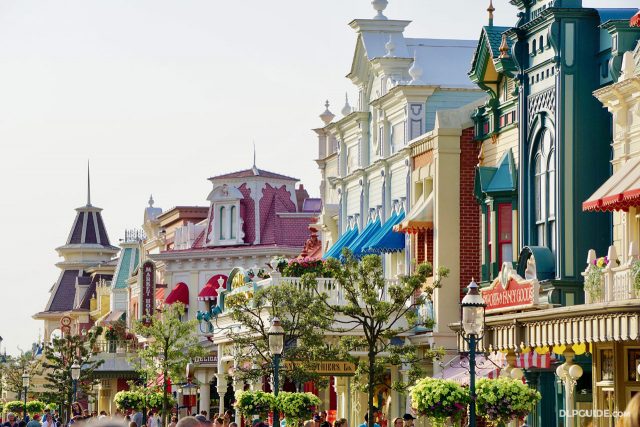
(619, 192)
(210, 289)
(531, 359)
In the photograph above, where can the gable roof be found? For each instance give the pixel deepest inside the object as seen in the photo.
(253, 172)
(488, 49)
(493, 180)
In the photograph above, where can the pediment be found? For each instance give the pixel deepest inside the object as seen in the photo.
(224, 193)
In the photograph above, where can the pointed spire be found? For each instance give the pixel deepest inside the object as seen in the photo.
(327, 116)
(254, 168)
(491, 9)
(88, 183)
(151, 201)
(346, 110)
(504, 47)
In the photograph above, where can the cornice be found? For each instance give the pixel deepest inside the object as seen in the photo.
(222, 252)
(402, 92)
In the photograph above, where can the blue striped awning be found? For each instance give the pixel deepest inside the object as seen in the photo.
(344, 240)
(387, 240)
(363, 238)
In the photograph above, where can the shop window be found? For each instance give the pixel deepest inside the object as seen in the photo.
(606, 365)
(505, 243)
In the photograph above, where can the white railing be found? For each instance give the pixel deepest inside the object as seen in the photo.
(617, 277)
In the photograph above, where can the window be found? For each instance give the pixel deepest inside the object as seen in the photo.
(489, 236)
(505, 245)
(544, 192)
(222, 221)
(541, 43)
(533, 47)
(232, 222)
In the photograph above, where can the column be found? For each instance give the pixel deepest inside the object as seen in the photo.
(405, 379)
(532, 378)
(221, 387)
(340, 387)
(205, 390)
(394, 408)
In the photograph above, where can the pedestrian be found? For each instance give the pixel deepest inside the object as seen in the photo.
(133, 424)
(35, 422)
(189, 422)
(366, 419)
(11, 420)
(631, 415)
(341, 422)
(204, 413)
(151, 421)
(398, 422)
(137, 417)
(174, 421)
(233, 424)
(408, 420)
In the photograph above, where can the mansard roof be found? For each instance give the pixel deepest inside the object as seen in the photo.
(88, 229)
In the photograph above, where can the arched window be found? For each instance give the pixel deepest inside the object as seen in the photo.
(533, 47)
(222, 221)
(544, 191)
(541, 43)
(232, 222)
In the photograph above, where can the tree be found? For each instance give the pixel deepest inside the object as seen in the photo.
(303, 316)
(59, 355)
(375, 315)
(15, 367)
(172, 343)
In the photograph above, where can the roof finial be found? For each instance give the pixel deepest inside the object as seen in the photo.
(379, 5)
(327, 116)
(416, 70)
(151, 201)
(491, 9)
(88, 183)
(346, 110)
(504, 47)
(254, 168)
(390, 46)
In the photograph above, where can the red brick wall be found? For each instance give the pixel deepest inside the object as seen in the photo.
(429, 244)
(420, 247)
(469, 212)
(247, 213)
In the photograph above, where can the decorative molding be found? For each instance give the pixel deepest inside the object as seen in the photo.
(545, 100)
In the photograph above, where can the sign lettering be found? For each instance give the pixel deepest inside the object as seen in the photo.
(510, 292)
(323, 368)
(148, 292)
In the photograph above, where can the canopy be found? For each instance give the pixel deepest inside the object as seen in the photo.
(369, 231)
(387, 240)
(210, 289)
(344, 240)
(180, 293)
(419, 218)
(619, 192)
(458, 369)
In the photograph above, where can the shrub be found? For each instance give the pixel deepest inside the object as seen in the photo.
(35, 407)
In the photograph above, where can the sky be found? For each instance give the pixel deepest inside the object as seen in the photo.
(160, 95)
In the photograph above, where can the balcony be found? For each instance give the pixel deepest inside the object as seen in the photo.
(115, 356)
(617, 277)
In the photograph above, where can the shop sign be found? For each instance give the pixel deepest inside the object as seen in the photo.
(148, 292)
(210, 360)
(323, 368)
(510, 292)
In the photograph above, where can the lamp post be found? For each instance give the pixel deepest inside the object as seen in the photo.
(75, 376)
(25, 385)
(276, 346)
(472, 307)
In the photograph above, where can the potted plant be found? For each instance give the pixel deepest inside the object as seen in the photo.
(503, 400)
(296, 407)
(440, 400)
(593, 280)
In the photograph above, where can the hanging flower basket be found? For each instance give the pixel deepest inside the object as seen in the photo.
(254, 403)
(440, 400)
(296, 407)
(503, 400)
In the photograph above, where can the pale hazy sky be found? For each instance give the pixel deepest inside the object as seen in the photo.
(160, 95)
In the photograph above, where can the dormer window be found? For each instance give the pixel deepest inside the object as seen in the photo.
(225, 224)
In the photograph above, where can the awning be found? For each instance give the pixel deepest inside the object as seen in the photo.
(113, 316)
(619, 192)
(419, 218)
(387, 240)
(180, 293)
(458, 369)
(363, 238)
(344, 240)
(635, 20)
(210, 289)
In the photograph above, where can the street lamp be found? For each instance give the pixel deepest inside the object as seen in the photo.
(276, 346)
(25, 385)
(75, 376)
(472, 307)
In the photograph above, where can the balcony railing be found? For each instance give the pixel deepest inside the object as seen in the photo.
(617, 279)
(117, 347)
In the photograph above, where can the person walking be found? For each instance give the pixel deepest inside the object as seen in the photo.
(35, 422)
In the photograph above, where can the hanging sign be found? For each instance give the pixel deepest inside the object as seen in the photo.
(148, 292)
(210, 360)
(323, 368)
(510, 292)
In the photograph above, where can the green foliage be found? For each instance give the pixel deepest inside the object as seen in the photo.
(59, 355)
(379, 313)
(440, 400)
(299, 267)
(12, 370)
(52, 406)
(296, 407)
(35, 407)
(127, 399)
(254, 402)
(635, 274)
(593, 283)
(502, 400)
(154, 400)
(14, 406)
(304, 317)
(172, 344)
